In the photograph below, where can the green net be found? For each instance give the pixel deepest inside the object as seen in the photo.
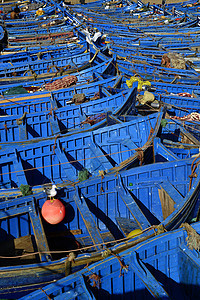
(25, 189)
(83, 175)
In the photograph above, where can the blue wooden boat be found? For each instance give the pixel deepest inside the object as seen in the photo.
(45, 69)
(119, 222)
(101, 64)
(68, 119)
(189, 103)
(168, 150)
(60, 159)
(155, 77)
(51, 27)
(12, 54)
(99, 212)
(127, 51)
(156, 73)
(167, 88)
(42, 101)
(54, 38)
(176, 131)
(163, 267)
(29, 55)
(38, 68)
(121, 193)
(174, 142)
(26, 40)
(192, 126)
(177, 106)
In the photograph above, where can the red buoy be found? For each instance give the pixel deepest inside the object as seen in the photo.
(53, 211)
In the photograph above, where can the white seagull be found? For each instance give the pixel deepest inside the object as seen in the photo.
(51, 192)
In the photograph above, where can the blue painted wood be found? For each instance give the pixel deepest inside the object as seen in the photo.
(176, 88)
(139, 268)
(18, 208)
(143, 68)
(176, 132)
(41, 165)
(40, 67)
(162, 267)
(39, 233)
(65, 119)
(99, 159)
(188, 261)
(53, 120)
(1, 32)
(187, 150)
(132, 206)
(44, 101)
(156, 77)
(160, 149)
(105, 205)
(17, 163)
(172, 192)
(31, 54)
(65, 162)
(88, 220)
(104, 65)
(126, 225)
(22, 129)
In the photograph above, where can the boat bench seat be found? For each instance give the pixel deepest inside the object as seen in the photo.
(28, 206)
(172, 192)
(18, 246)
(126, 141)
(170, 198)
(18, 167)
(188, 268)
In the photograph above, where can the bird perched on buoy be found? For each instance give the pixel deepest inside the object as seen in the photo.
(53, 210)
(51, 192)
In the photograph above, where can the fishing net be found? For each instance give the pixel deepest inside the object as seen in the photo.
(16, 90)
(78, 98)
(148, 97)
(193, 238)
(194, 116)
(25, 189)
(173, 60)
(61, 83)
(83, 175)
(94, 119)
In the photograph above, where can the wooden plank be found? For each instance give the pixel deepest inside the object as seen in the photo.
(55, 129)
(100, 160)
(27, 205)
(126, 141)
(22, 98)
(132, 206)
(127, 225)
(152, 285)
(88, 220)
(39, 232)
(65, 163)
(18, 247)
(17, 163)
(160, 149)
(22, 131)
(169, 197)
(88, 293)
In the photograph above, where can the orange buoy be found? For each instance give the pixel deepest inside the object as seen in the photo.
(53, 211)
